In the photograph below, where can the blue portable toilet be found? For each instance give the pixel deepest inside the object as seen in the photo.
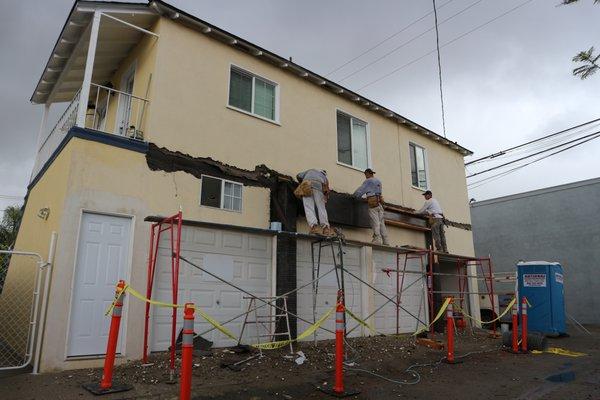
(542, 283)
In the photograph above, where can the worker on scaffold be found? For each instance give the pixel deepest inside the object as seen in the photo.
(371, 189)
(432, 209)
(314, 191)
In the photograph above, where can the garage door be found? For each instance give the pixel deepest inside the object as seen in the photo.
(328, 287)
(412, 298)
(238, 257)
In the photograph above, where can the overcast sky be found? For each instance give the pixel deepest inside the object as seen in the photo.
(505, 83)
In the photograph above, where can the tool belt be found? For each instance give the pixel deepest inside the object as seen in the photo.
(304, 189)
(374, 201)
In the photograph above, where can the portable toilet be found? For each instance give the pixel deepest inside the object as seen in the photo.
(541, 282)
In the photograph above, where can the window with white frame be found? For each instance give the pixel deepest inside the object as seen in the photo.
(221, 193)
(253, 94)
(352, 141)
(418, 166)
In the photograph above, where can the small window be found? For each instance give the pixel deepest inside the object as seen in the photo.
(252, 94)
(352, 139)
(220, 193)
(418, 166)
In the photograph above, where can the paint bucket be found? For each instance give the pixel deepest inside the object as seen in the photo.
(276, 226)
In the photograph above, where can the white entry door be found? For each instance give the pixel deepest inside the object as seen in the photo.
(102, 259)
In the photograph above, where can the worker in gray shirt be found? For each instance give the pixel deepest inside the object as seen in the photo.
(316, 196)
(372, 190)
(433, 210)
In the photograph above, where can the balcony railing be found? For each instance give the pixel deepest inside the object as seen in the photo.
(109, 110)
(117, 112)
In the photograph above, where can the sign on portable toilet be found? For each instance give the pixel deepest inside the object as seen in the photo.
(541, 282)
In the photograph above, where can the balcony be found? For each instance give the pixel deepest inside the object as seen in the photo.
(110, 111)
(91, 75)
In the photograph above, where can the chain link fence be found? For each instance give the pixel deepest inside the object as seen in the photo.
(20, 278)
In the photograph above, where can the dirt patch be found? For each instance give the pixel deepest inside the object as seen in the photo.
(485, 372)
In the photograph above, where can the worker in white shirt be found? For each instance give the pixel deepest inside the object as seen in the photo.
(372, 190)
(314, 191)
(433, 210)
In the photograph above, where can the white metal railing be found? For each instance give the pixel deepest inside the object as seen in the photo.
(57, 134)
(116, 112)
(109, 110)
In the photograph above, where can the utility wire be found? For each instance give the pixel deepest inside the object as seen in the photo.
(484, 181)
(395, 49)
(502, 152)
(437, 43)
(8, 197)
(385, 40)
(531, 155)
(446, 44)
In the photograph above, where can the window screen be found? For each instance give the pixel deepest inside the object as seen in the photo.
(417, 166)
(240, 90)
(344, 139)
(211, 192)
(264, 99)
(352, 141)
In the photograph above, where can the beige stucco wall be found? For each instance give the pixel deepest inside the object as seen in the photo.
(108, 179)
(190, 114)
(16, 297)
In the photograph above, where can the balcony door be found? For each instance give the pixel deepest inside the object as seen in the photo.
(124, 111)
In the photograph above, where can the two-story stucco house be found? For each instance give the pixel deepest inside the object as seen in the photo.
(166, 112)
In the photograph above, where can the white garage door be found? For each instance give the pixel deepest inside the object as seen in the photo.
(412, 298)
(328, 287)
(243, 259)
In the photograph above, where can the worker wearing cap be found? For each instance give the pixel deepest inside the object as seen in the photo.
(317, 197)
(432, 208)
(371, 189)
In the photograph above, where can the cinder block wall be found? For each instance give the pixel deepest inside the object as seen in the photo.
(554, 224)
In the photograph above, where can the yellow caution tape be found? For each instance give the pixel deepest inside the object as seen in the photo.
(506, 310)
(439, 314)
(560, 352)
(360, 321)
(265, 346)
(309, 331)
(135, 293)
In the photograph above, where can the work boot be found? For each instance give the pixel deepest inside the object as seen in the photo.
(315, 230)
(327, 231)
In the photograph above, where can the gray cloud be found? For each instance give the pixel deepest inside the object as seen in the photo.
(504, 84)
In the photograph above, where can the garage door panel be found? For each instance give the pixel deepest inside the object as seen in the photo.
(412, 294)
(241, 258)
(328, 286)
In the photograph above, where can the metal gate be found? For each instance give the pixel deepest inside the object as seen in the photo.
(20, 283)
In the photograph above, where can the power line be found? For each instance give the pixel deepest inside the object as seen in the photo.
(482, 182)
(446, 44)
(437, 43)
(408, 41)
(386, 39)
(8, 197)
(531, 155)
(502, 152)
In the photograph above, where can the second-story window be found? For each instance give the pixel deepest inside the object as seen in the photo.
(352, 141)
(221, 193)
(418, 168)
(252, 94)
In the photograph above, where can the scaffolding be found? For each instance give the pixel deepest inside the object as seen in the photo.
(480, 269)
(172, 225)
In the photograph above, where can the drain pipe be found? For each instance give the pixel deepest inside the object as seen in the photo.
(44, 308)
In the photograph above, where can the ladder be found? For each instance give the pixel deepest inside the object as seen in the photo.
(334, 243)
(268, 322)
